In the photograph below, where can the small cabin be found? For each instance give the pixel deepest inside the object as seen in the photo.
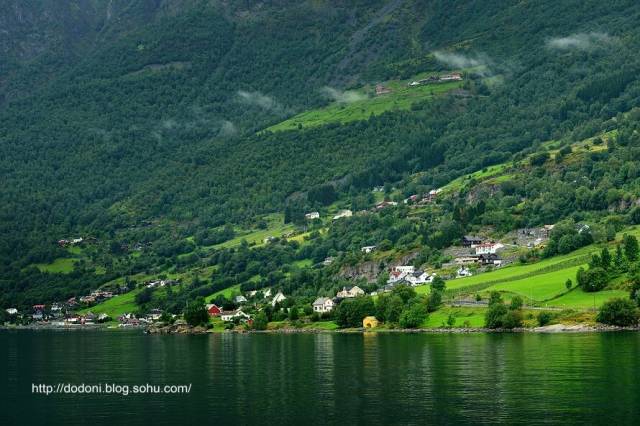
(370, 322)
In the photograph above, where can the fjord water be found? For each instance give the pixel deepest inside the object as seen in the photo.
(324, 378)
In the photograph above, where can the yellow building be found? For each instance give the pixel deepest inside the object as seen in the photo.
(370, 322)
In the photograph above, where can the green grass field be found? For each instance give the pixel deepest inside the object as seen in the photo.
(227, 293)
(116, 306)
(541, 283)
(58, 266)
(401, 98)
(457, 184)
(304, 263)
(474, 317)
(539, 287)
(322, 325)
(578, 299)
(517, 271)
(275, 228)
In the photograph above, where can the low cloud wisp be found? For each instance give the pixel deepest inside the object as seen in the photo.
(346, 97)
(258, 99)
(580, 41)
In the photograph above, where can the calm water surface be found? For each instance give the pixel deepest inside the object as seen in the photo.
(325, 378)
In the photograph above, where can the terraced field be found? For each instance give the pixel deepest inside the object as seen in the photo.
(541, 287)
(362, 104)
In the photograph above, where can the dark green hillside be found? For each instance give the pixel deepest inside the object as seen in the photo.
(145, 123)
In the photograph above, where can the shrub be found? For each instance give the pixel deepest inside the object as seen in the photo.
(351, 312)
(512, 319)
(495, 315)
(498, 316)
(195, 313)
(539, 158)
(413, 316)
(544, 318)
(594, 279)
(621, 312)
(516, 303)
(434, 301)
(260, 321)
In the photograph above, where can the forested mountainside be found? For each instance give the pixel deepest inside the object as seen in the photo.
(142, 123)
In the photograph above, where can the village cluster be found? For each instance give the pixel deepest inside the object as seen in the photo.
(66, 313)
(473, 254)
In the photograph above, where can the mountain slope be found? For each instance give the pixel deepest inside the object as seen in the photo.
(147, 127)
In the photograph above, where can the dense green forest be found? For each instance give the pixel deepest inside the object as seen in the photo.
(143, 128)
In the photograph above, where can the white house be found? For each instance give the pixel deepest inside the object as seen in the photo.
(465, 260)
(266, 293)
(12, 311)
(231, 315)
(407, 269)
(343, 213)
(347, 293)
(279, 297)
(396, 276)
(312, 215)
(463, 272)
(239, 299)
(368, 249)
(418, 278)
(323, 304)
(487, 248)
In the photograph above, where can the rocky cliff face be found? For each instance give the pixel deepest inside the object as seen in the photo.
(371, 269)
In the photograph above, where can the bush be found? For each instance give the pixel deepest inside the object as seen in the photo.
(413, 316)
(351, 312)
(621, 312)
(196, 313)
(434, 301)
(539, 158)
(495, 315)
(544, 318)
(498, 316)
(438, 284)
(512, 319)
(516, 303)
(595, 279)
(260, 321)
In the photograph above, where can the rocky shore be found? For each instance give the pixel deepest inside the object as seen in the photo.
(555, 328)
(175, 329)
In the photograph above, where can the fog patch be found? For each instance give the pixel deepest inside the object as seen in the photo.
(580, 41)
(258, 99)
(481, 63)
(227, 129)
(345, 97)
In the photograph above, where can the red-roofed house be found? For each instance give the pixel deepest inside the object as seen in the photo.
(214, 310)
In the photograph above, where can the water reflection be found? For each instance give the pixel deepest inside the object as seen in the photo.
(325, 378)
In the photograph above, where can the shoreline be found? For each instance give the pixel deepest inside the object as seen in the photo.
(549, 329)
